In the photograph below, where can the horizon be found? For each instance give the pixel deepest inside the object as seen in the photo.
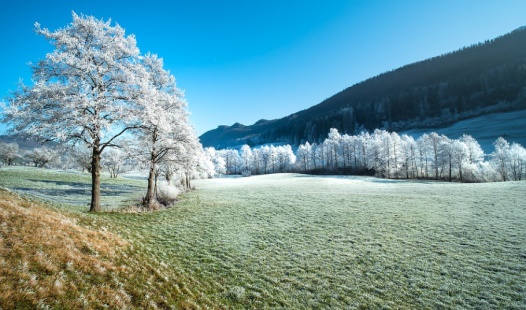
(241, 62)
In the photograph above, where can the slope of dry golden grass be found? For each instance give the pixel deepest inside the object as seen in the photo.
(49, 259)
(46, 257)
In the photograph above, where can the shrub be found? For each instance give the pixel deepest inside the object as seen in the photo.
(167, 194)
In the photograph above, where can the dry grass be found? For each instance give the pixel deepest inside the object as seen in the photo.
(46, 256)
(52, 259)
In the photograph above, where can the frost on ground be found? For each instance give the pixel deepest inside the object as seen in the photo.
(72, 188)
(299, 241)
(294, 241)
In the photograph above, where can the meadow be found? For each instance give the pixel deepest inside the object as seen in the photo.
(298, 241)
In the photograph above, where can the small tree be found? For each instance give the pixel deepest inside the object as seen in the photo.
(114, 161)
(246, 155)
(41, 156)
(165, 126)
(303, 154)
(8, 152)
(500, 157)
(80, 157)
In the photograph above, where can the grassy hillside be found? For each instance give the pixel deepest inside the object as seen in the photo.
(288, 241)
(63, 261)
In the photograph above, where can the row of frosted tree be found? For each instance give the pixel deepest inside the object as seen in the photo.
(383, 154)
(10, 153)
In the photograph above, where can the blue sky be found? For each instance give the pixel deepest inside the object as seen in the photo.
(241, 61)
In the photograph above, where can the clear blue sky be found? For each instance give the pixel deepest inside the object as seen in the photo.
(241, 61)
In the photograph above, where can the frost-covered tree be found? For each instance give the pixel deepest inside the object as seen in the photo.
(424, 155)
(256, 160)
(381, 153)
(114, 160)
(206, 166)
(333, 147)
(467, 157)
(164, 121)
(517, 157)
(447, 153)
(41, 156)
(435, 142)
(8, 152)
(409, 153)
(187, 157)
(285, 157)
(246, 156)
(266, 158)
(84, 91)
(217, 160)
(508, 160)
(303, 155)
(232, 160)
(500, 157)
(80, 157)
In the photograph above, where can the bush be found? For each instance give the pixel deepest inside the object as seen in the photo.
(246, 173)
(167, 194)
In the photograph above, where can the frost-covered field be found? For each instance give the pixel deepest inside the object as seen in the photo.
(71, 188)
(297, 241)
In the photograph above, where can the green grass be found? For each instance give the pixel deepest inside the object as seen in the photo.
(293, 241)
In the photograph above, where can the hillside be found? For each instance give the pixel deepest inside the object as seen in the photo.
(481, 79)
(485, 129)
(23, 144)
(49, 259)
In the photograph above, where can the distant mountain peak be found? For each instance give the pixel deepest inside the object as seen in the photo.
(261, 121)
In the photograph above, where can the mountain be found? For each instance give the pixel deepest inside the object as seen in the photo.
(480, 79)
(23, 144)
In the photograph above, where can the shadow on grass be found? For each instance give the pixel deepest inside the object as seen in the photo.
(67, 189)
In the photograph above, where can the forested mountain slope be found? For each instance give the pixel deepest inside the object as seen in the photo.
(484, 78)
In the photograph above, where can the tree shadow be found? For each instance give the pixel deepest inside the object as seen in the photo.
(78, 188)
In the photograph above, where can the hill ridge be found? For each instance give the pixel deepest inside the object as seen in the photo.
(482, 78)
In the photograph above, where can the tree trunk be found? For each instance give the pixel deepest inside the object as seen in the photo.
(95, 179)
(155, 186)
(150, 193)
(187, 175)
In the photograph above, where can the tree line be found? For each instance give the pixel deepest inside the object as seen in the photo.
(383, 154)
